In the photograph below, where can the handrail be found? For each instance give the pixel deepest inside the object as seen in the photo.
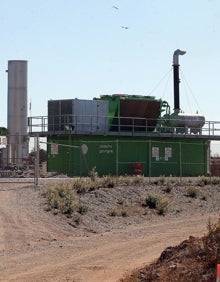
(120, 125)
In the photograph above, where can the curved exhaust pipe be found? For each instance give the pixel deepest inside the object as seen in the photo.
(176, 79)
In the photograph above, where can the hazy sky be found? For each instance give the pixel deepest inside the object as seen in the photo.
(79, 49)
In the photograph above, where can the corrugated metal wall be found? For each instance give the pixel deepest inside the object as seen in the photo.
(84, 116)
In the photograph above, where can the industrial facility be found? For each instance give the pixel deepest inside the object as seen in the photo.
(115, 134)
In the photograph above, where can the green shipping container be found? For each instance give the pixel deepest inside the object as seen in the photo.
(109, 155)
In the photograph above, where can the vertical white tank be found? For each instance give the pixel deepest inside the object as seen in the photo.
(17, 112)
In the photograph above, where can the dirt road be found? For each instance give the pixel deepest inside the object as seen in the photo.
(37, 246)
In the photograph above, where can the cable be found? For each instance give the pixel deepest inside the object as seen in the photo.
(156, 86)
(187, 84)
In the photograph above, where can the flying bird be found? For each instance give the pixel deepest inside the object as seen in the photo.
(125, 27)
(115, 7)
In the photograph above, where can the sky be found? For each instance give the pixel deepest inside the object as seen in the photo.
(80, 49)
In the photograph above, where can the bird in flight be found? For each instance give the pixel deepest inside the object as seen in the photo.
(115, 7)
(125, 27)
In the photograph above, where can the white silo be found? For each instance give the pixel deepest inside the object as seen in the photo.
(17, 112)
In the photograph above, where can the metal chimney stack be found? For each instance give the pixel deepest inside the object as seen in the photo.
(176, 79)
(17, 112)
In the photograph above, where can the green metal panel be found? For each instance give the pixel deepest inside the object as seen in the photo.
(165, 158)
(131, 152)
(194, 158)
(88, 152)
(118, 155)
(99, 154)
(60, 156)
(185, 157)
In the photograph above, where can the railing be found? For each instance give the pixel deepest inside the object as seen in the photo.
(99, 125)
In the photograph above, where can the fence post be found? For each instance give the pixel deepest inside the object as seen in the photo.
(149, 160)
(180, 161)
(36, 146)
(116, 157)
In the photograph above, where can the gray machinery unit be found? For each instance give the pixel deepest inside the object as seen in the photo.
(78, 116)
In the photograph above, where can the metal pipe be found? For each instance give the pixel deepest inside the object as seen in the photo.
(176, 79)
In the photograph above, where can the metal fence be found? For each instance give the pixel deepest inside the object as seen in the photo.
(133, 126)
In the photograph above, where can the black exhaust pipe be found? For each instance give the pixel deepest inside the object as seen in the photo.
(176, 79)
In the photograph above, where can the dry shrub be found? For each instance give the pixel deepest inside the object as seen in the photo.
(84, 185)
(121, 210)
(192, 192)
(158, 202)
(61, 198)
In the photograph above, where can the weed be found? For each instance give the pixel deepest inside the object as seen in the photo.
(84, 185)
(158, 202)
(204, 198)
(79, 186)
(151, 201)
(192, 192)
(124, 211)
(202, 181)
(138, 180)
(162, 205)
(162, 179)
(120, 201)
(125, 180)
(112, 213)
(93, 174)
(108, 181)
(82, 209)
(77, 220)
(168, 187)
(215, 181)
(119, 211)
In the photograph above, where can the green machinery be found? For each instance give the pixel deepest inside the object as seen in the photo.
(132, 137)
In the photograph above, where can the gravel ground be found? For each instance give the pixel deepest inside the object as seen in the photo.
(108, 209)
(116, 233)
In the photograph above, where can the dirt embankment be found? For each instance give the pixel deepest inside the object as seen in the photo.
(37, 246)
